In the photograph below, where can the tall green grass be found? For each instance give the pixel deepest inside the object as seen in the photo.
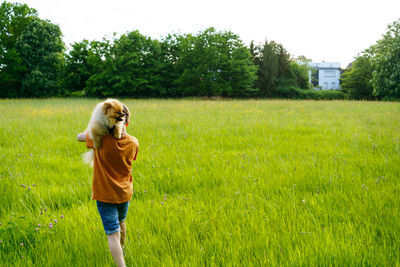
(217, 183)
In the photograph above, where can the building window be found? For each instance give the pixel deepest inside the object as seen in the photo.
(329, 74)
(333, 84)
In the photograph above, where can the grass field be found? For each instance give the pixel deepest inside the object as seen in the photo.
(217, 183)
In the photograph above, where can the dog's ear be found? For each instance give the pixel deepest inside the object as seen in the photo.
(106, 107)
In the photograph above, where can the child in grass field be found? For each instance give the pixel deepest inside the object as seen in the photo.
(112, 185)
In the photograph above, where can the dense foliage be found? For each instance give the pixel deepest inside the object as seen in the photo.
(34, 63)
(356, 81)
(214, 64)
(375, 73)
(386, 60)
(208, 64)
(31, 53)
(14, 19)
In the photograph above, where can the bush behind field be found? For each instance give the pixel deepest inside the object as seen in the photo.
(290, 92)
(246, 182)
(320, 94)
(293, 92)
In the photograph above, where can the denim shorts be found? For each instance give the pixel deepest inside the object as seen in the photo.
(111, 215)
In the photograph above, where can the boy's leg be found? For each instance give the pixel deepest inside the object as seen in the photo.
(115, 248)
(122, 225)
(109, 216)
(122, 212)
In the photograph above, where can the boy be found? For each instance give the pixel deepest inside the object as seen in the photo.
(112, 185)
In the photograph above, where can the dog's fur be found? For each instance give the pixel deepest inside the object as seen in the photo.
(108, 117)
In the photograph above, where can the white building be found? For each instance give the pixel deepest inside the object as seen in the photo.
(326, 76)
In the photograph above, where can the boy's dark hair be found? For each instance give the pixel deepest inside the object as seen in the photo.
(126, 114)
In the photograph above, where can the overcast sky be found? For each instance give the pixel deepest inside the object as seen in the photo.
(334, 30)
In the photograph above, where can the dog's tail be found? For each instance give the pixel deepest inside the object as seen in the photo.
(88, 157)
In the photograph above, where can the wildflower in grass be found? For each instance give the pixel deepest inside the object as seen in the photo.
(165, 198)
(1, 241)
(39, 225)
(62, 216)
(165, 195)
(34, 185)
(22, 244)
(50, 225)
(304, 201)
(55, 221)
(37, 229)
(145, 191)
(22, 256)
(29, 188)
(152, 202)
(162, 203)
(23, 185)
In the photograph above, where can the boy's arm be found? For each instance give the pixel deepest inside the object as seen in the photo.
(81, 137)
(137, 148)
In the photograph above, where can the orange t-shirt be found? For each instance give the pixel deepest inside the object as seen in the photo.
(112, 168)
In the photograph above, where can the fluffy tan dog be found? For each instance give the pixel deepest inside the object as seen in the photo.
(108, 117)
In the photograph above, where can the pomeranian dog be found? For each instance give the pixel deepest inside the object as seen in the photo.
(108, 117)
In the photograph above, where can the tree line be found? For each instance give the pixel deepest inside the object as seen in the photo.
(34, 62)
(375, 72)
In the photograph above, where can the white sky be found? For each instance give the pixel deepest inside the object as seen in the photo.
(333, 30)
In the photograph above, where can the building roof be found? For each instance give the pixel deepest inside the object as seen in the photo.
(326, 65)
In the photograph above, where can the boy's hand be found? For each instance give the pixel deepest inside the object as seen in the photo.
(81, 137)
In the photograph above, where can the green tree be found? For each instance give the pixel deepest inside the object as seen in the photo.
(87, 68)
(138, 63)
(30, 52)
(386, 61)
(284, 60)
(14, 19)
(297, 76)
(131, 66)
(241, 74)
(252, 50)
(267, 60)
(41, 49)
(356, 81)
(170, 59)
(215, 64)
(77, 68)
(304, 72)
(99, 59)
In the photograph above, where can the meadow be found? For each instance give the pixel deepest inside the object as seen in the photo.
(217, 183)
